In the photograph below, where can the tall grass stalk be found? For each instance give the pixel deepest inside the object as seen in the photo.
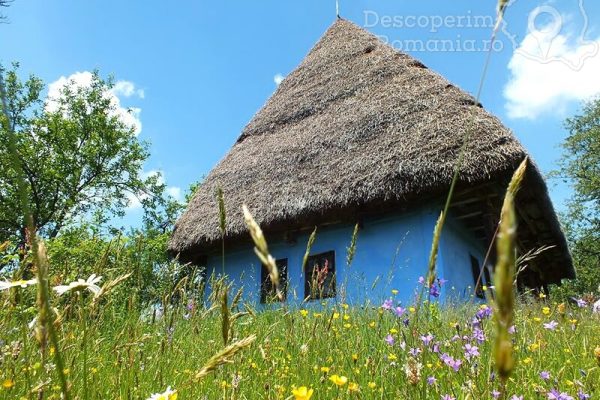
(350, 253)
(504, 279)
(309, 244)
(224, 356)
(262, 250)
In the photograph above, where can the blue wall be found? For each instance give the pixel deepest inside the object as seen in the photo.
(456, 248)
(391, 253)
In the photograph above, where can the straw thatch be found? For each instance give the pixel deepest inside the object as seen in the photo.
(356, 124)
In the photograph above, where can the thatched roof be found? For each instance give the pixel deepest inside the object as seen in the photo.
(356, 124)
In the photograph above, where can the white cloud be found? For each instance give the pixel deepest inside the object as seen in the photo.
(127, 89)
(174, 192)
(550, 72)
(130, 116)
(278, 78)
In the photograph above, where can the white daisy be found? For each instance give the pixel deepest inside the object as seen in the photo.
(80, 284)
(167, 395)
(20, 283)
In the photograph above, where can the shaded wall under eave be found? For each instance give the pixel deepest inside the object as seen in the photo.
(391, 253)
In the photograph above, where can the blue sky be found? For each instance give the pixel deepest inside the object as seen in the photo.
(198, 70)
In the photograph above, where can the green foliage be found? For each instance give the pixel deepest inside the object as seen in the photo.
(78, 157)
(580, 166)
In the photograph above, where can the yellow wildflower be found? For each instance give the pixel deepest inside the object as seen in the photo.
(353, 387)
(8, 383)
(304, 313)
(302, 393)
(325, 369)
(394, 292)
(533, 346)
(546, 310)
(372, 385)
(338, 380)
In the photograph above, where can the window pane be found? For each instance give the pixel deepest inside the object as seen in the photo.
(319, 276)
(267, 290)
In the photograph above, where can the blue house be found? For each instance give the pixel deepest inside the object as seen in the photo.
(361, 135)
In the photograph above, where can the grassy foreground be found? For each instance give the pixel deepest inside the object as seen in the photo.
(335, 352)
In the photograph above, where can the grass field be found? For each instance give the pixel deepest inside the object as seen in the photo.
(334, 351)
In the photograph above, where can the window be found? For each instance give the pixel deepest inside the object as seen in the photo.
(267, 291)
(319, 276)
(477, 279)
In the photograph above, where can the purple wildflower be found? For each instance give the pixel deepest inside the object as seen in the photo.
(582, 395)
(545, 375)
(479, 335)
(431, 380)
(414, 351)
(551, 325)
(399, 311)
(442, 281)
(455, 364)
(515, 397)
(427, 339)
(580, 302)
(495, 394)
(471, 351)
(387, 304)
(483, 313)
(556, 395)
(406, 322)
(451, 362)
(389, 339)
(447, 397)
(512, 329)
(421, 280)
(434, 291)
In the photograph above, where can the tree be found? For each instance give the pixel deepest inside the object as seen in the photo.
(580, 165)
(78, 156)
